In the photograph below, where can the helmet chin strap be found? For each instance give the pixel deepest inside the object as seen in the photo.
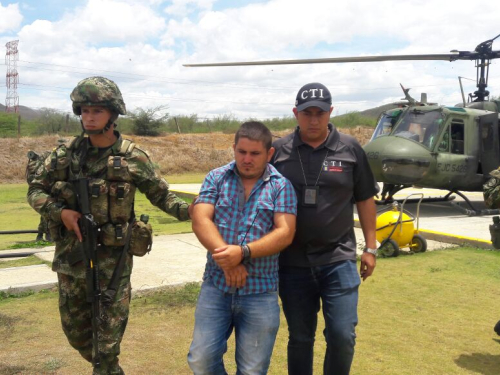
(102, 131)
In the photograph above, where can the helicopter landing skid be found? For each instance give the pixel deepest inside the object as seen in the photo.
(473, 211)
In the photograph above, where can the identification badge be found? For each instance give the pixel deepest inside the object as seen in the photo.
(310, 196)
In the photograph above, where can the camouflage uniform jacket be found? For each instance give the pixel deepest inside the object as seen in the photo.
(51, 190)
(491, 190)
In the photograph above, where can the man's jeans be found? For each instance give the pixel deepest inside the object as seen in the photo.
(301, 289)
(255, 318)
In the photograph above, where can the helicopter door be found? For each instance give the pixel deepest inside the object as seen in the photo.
(489, 142)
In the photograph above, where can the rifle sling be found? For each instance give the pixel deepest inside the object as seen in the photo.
(109, 295)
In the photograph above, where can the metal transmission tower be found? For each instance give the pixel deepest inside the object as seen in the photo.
(12, 77)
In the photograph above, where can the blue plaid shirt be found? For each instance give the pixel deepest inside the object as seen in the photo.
(241, 222)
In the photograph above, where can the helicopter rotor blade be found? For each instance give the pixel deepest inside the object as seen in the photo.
(453, 56)
(446, 57)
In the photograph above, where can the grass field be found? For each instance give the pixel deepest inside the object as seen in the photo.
(431, 313)
(16, 213)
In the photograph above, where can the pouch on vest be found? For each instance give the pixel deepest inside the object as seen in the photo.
(98, 189)
(141, 239)
(114, 234)
(63, 192)
(56, 230)
(35, 162)
(121, 201)
(118, 169)
(58, 163)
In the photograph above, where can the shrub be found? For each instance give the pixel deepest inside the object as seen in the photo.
(149, 121)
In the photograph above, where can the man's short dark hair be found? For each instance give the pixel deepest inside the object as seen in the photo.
(255, 131)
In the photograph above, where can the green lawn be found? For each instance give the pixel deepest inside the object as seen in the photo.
(16, 213)
(426, 314)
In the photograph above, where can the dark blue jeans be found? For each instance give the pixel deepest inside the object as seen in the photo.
(255, 319)
(302, 291)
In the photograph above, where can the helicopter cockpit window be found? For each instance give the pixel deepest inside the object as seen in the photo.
(453, 138)
(386, 123)
(457, 137)
(420, 126)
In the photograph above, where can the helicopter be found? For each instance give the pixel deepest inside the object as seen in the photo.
(453, 148)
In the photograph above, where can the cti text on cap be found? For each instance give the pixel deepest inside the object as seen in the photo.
(313, 95)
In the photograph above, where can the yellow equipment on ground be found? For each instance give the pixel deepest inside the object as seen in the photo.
(395, 229)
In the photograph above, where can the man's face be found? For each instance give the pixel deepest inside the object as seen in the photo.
(95, 117)
(251, 158)
(313, 123)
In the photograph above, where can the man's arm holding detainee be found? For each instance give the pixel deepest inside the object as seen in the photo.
(367, 213)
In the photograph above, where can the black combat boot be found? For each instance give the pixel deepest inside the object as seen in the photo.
(497, 328)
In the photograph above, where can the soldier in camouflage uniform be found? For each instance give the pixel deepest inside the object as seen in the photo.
(114, 167)
(35, 162)
(491, 190)
(43, 229)
(491, 193)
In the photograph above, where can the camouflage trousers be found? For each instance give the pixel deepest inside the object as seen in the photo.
(42, 226)
(76, 319)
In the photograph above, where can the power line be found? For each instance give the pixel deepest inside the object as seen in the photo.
(152, 78)
(64, 89)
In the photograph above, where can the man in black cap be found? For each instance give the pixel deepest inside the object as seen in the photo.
(330, 172)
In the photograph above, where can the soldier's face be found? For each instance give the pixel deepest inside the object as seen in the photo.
(95, 117)
(251, 158)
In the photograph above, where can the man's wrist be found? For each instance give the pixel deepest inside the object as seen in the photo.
(246, 254)
(371, 250)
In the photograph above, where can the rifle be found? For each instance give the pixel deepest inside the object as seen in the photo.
(88, 228)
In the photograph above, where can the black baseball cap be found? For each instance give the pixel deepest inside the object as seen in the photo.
(313, 95)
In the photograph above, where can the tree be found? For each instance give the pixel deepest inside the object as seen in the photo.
(51, 121)
(149, 121)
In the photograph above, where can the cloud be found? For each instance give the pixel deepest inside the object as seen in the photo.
(10, 17)
(142, 45)
(287, 28)
(99, 22)
(183, 7)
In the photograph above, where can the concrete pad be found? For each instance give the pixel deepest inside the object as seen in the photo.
(47, 256)
(20, 279)
(13, 252)
(185, 188)
(175, 259)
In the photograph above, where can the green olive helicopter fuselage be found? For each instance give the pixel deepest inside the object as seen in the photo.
(451, 148)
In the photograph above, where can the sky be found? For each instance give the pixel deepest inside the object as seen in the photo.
(142, 44)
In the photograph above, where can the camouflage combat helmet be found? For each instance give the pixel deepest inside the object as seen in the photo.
(97, 91)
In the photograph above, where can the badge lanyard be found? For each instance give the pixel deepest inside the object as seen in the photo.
(310, 193)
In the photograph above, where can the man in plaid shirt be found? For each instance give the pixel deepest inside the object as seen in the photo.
(244, 216)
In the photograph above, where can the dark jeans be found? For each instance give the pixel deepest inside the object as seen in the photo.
(255, 319)
(301, 290)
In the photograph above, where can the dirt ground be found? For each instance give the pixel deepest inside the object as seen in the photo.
(173, 154)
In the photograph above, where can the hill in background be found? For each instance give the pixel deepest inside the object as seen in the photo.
(26, 112)
(377, 111)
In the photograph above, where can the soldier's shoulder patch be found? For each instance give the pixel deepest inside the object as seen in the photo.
(127, 146)
(495, 173)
